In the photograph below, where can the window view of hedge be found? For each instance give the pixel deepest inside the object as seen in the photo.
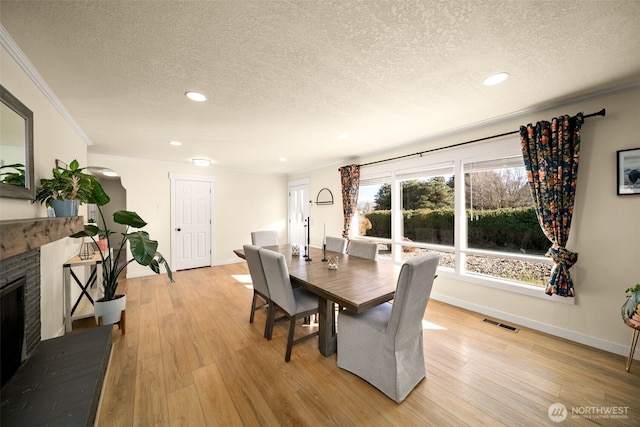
(500, 212)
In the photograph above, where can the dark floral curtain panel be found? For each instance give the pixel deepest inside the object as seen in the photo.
(350, 178)
(551, 151)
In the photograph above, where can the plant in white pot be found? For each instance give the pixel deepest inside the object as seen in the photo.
(630, 310)
(110, 308)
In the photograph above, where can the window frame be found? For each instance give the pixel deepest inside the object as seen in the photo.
(488, 150)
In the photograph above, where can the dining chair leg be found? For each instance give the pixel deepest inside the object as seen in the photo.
(292, 327)
(253, 307)
(268, 327)
(634, 342)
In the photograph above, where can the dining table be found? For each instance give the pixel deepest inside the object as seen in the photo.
(358, 284)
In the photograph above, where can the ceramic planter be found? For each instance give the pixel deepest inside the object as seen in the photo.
(103, 244)
(111, 312)
(630, 310)
(65, 208)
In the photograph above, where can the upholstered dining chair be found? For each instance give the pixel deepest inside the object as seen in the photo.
(384, 345)
(336, 244)
(264, 238)
(296, 303)
(363, 249)
(260, 289)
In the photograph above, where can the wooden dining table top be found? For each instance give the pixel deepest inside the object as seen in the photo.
(358, 284)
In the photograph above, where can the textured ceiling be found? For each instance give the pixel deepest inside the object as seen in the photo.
(284, 78)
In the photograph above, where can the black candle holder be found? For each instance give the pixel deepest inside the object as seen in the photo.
(307, 248)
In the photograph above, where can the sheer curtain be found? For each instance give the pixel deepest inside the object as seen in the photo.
(551, 152)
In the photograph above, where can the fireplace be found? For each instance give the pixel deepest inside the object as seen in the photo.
(20, 309)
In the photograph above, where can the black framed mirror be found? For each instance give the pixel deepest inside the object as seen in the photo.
(16, 148)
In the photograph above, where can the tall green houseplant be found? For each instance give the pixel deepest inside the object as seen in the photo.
(143, 249)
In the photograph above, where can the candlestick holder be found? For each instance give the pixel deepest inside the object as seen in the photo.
(307, 248)
(324, 253)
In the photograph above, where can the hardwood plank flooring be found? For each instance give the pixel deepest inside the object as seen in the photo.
(191, 357)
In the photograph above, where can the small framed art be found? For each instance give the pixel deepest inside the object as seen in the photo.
(628, 162)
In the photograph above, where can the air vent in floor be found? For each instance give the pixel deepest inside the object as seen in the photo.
(501, 325)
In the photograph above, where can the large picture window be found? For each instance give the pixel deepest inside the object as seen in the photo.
(501, 218)
(481, 222)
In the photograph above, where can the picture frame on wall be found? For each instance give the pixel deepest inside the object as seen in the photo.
(628, 170)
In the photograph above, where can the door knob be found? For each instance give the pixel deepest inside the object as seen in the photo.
(177, 229)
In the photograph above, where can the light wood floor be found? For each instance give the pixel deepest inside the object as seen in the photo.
(190, 357)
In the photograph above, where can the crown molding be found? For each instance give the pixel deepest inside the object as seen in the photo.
(16, 53)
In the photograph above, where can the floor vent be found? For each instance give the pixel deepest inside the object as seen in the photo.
(501, 325)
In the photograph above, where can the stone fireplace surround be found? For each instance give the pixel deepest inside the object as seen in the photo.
(27, 265)
(59, 381)
(20, 257)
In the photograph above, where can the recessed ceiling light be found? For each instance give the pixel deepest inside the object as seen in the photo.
(201, 162)
(495, 79)
(195, 96)
(176, 143)
(108, 172)
(282, 159)
(342, 136)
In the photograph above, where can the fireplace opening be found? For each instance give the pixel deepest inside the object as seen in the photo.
(12, 324)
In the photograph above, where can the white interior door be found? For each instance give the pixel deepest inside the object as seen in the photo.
(191, 222)
(298, 211)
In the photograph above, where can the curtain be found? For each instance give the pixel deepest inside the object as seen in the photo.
(350, 178)
(551, 152)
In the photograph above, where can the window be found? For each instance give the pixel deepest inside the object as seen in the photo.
(373, 218)
(427, 206)
(484, 227)
(501, 218)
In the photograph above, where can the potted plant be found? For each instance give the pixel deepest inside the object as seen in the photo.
(630, 310)
(110, 308)
(102, 243)
(13, 174)
(68, 188)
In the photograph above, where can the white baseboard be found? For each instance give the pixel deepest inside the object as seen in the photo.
(228, 261)
(611, 347)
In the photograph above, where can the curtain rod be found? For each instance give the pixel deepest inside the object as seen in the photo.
(420, 153)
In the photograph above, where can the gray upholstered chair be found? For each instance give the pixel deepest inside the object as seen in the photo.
(260, 289)
(296, 303)
(336, 244)
(363, 249)
(264, 238)
(384, 345)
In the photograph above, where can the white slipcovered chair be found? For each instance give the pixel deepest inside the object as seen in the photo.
(336, 244)
(384, 345)
(363, 249)
(296, 303)
(264, 238)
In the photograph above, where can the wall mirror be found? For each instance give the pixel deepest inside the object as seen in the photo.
(16, 148)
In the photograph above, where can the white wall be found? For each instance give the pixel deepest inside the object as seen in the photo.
(324, 215)
(53, 139)
(605, 230)
(242, 203)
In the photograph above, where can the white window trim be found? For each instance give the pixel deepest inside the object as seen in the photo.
(504, 147)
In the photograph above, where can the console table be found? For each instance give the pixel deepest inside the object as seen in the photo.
(88, 288)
